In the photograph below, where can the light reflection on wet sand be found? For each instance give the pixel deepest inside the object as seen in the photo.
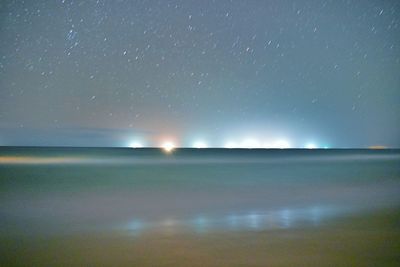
(370, 239)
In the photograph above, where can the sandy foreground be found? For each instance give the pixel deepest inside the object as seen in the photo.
(368, 240)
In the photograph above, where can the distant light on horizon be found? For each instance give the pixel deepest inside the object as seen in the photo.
(230, 145)
(200, 144)
(310, 146)
(168, 147)
(282, 144)
(111, 73)
(250, 143)
(267, 145)
(136, 144)
(247, 143)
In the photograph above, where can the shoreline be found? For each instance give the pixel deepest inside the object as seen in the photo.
(364, 240)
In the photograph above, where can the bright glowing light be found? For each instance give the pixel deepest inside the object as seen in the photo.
(200, 144)
(135, 144)
(230, 145)
(310, 146)
(168, 146)
(254, 143)
(267, 145)
(250, 143)
(282, 144)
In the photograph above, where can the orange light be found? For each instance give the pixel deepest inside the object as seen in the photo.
(168, 147)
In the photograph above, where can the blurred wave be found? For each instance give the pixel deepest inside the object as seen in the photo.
(58, 190)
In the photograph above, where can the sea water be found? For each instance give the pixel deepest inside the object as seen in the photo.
(53, 191)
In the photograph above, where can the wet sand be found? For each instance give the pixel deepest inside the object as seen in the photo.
(364, 240)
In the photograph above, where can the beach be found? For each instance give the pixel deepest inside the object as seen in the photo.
(212, 207)
(369, 240)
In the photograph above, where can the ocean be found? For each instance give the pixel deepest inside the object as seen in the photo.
(191, 194)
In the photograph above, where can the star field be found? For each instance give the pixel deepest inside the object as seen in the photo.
(104, 73)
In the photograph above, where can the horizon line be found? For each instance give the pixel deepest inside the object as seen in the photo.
(202, 148)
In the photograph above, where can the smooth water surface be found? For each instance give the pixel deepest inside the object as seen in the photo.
(74, 189)
(133, 193)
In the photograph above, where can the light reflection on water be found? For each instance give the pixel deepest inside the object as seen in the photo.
(278, 219)
(135, 227)
(285, 218)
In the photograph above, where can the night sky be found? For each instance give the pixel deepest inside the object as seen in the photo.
(113, 73)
